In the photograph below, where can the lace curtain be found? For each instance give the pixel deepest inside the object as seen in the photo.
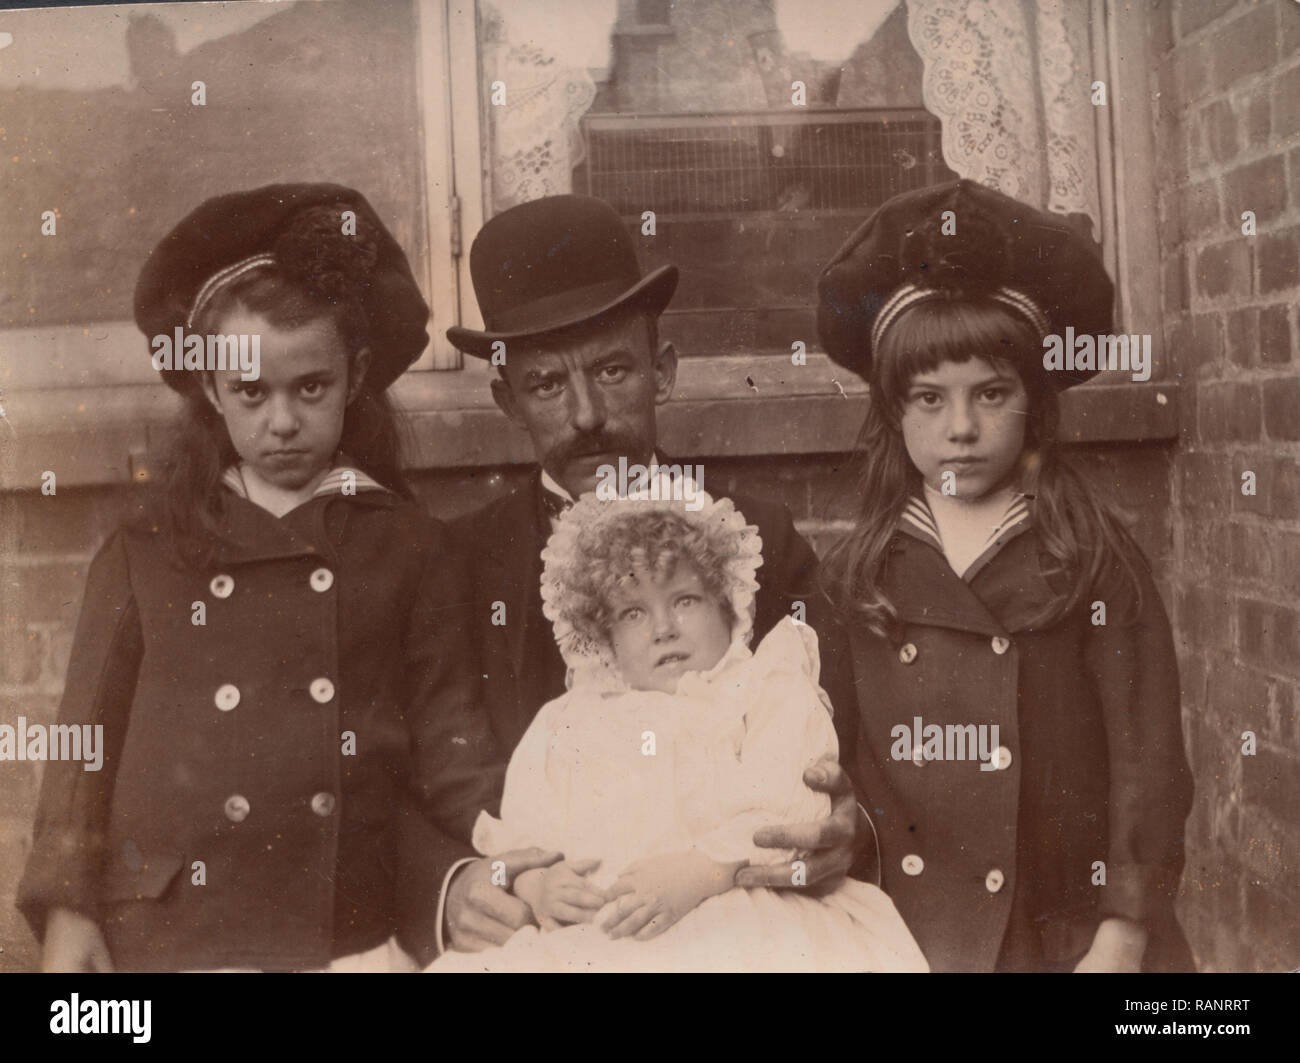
(535, 137)
(1010, 81)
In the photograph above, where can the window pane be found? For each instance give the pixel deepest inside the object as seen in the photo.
(116, 144)
(759, 132)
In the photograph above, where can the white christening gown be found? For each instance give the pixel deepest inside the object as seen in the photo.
(625, 775)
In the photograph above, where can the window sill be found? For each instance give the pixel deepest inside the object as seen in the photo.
(723, 406)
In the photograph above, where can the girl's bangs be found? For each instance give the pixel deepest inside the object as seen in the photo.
(942, 330)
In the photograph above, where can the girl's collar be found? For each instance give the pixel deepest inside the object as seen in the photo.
(917, 520)
(344, 479)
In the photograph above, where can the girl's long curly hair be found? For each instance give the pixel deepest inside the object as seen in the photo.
(1084, 536)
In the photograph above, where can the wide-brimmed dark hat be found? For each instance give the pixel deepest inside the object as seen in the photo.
(280, 223)
(1001, 249)
(553, 263)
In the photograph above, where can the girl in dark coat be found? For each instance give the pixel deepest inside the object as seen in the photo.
(1018, 738)
(276, 656)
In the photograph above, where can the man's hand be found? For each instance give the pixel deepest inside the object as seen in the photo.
(1117, 947)
(560, 895)
(73, 944)
(655, 893)
(830, 844)
(480, 913)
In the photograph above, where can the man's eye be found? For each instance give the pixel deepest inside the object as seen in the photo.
(545, 387)
(612, 374)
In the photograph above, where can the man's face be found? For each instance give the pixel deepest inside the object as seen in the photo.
(588, 399)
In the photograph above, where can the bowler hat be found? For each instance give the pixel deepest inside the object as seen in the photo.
(329, 256)
(552, 263)
(989, 245)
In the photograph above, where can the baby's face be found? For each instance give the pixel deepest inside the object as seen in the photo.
(662, 629)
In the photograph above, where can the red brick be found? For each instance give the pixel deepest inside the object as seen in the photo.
(1189, 72)
(1193, 14)
(1214, 135)
(1224, 269)
(1284, 721)
(41, 593)
(1289, 20)
(1286, 104)
(1244, 46)
(1228, 412)
(1258, 118)
(1261, 465)
(1248, 554)
(1206, 485)
(1282, 408)
(1239, 697)
(1205, 544)
(1241, 333)
(1277, 257)
(1174, 268)
(1275, 343)
(1202, 616)
(1269, 635)
(1200, 208)
(1260, 186)
(1272, 781)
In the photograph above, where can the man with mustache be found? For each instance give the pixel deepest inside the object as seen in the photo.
(584, 370)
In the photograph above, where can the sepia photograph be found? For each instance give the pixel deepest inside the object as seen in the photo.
(651, 486)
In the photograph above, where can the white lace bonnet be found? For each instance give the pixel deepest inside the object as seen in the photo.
(590, 659)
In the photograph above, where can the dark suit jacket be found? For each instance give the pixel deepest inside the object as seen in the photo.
(521, 667)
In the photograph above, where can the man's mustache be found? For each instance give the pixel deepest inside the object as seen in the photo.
(594, 443)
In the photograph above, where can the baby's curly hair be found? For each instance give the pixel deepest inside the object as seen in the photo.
(612, 552)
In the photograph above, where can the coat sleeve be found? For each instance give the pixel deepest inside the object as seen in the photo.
(1132, 662)
(456, 767)
(787, 728)
(72, 813)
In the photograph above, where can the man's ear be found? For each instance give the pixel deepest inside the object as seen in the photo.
(504, 396)
(665, 372)
(357, 372)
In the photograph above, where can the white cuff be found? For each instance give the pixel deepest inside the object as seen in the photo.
(442, 897)
(874, 837)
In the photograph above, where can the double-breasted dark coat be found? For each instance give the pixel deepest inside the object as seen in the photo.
(521, 668)
(1003, 868)
(257, 763)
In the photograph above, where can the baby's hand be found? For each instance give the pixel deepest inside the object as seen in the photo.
(560, 894)
(73, 943)
(655, 893)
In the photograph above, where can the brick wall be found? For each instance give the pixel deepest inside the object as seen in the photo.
(1228, 132)
(47, 542)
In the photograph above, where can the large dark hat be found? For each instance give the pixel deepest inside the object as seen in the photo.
(552, 263)
(1030, 261)
(300, 229)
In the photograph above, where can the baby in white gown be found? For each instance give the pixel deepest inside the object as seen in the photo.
(672, 746)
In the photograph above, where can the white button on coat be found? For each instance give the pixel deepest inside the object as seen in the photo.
(322, 580)
(1000, 645)
(237, 808)
(993, 880)
(322, 804)
(321, 690)
(222, 586)
(227, 697)
(1002, 758)
(913, 864)
(907, 653)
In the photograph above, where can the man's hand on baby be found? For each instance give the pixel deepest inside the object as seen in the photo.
(826, 848)
(561, 895)
(481, 912)
(655, 893)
